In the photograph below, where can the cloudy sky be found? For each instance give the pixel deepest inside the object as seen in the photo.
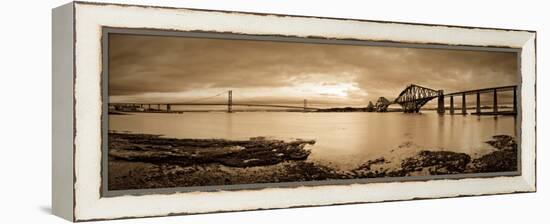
(178, 69)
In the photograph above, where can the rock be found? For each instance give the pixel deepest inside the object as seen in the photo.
(368, 164)
(149, 161)
(257, 151)
(439, 162)
(505, 158)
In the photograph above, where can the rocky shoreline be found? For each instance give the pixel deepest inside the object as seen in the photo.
(254, 152)
(139, 161)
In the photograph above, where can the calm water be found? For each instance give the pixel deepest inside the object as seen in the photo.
(343, 139)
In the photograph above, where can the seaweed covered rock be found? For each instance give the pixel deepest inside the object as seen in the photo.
(308, 171)
(246, 153)
(367, 170)
(437, 162)
(422, 163)
(151, 161)
(503, 159)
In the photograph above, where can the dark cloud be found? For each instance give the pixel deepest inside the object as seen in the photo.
(143, 68)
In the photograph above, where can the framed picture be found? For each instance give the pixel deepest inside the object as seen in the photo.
(161, 111)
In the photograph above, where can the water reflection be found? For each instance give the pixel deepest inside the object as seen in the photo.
(343, 139)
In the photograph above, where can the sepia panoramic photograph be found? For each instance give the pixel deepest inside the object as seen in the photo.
(196, 111)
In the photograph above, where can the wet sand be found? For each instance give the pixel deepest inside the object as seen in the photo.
(140, 161)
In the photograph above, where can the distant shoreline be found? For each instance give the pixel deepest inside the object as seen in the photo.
(322, 110)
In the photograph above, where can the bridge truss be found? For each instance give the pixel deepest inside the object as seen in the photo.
(414, 97)
(382, 104)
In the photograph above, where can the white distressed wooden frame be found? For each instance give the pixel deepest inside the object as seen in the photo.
(77, 30)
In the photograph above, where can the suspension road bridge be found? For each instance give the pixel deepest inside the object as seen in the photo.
(229, 104)
(411, 100)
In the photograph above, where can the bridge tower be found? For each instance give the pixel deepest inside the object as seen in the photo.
(229, 101)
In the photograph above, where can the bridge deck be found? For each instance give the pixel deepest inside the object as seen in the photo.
(221, 104)
(484, 90)
(411, 100)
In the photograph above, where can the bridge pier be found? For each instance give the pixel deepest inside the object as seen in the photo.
(168, 108)
(441, 103)
(305, 105)
(230, 101)
(452, 106)
(478, 104)
(515, 106)
(463, 103)
(495, 103)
